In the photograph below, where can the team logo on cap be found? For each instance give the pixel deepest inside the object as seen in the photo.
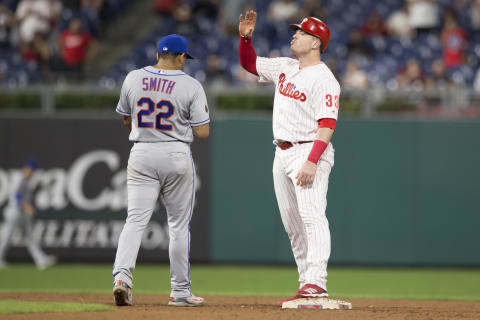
(165, 48)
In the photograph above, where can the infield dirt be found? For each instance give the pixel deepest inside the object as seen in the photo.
(154, 307)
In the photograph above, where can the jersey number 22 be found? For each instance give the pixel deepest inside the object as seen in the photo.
(163, 114)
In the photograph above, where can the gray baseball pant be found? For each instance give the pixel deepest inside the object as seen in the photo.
(165, 169)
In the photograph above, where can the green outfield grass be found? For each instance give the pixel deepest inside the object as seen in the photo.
(14, 306)
(450, 284)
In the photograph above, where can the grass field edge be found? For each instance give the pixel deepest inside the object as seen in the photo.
(276, 295)
(9, 307)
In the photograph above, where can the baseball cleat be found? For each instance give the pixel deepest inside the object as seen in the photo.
(307, 291)
(191, 301)
(122, 294)
(311, 291)
(47, 262)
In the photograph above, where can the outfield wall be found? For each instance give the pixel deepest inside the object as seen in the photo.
(80, 189)
(400, 193)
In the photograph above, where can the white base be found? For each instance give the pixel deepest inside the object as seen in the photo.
(316, 303)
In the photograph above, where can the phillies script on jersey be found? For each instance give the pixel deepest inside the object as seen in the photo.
(288, 90)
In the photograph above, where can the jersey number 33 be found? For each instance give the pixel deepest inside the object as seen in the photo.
(165, 108)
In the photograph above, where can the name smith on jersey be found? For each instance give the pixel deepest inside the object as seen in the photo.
(157, 84)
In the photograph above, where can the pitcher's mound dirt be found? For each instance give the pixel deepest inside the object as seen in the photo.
(238, 308)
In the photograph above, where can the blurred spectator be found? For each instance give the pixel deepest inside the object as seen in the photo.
(454, 41)
(206, 8)
(10, 4)
(244, 77)
(374, 26)
(476, 82)
(313, 8)
(438, 79)
(332, 64)
(411, 77)
(354, 77)
(7, 22)
(475, 15)
(37, 17)
(74, 45)
(38, 55)
(230, 12)
(91, 11)
(398, 24)
(183, 18)
(283, 10)
(165, 6)
(215, 70)
(357, 45)
(424, 15)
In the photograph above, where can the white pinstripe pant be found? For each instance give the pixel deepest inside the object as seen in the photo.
(302, 210)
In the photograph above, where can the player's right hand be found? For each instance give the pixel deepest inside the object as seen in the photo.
(247, 25)
(29, 209)
(306, 174)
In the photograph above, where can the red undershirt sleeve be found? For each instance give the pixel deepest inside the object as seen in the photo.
(327, 123)
(247, 55)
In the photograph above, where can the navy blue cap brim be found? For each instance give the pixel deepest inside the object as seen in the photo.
(32, 164)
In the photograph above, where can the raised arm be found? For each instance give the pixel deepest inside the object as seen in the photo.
(246, 52)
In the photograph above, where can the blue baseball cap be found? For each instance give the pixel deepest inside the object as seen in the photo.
(31, 163)
(174, 43)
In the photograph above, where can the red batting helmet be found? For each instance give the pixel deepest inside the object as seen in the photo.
(316, 28)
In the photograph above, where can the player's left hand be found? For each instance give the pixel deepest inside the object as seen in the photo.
(306, 175)
(247, 25)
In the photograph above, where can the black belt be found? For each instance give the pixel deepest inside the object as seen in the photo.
(284, 145)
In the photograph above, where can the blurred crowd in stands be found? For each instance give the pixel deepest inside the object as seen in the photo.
(48, 40)
(394, 44)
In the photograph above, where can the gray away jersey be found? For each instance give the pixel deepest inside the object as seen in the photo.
(22, 191)
(164, 105)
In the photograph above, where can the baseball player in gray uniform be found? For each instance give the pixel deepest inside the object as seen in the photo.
(163, 108)
(20, 212)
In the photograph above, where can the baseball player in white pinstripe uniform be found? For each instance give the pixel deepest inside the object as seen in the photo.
(305, 111)
(163, 108)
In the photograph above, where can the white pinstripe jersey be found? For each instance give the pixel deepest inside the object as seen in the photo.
(163, 104)
(302, 97)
